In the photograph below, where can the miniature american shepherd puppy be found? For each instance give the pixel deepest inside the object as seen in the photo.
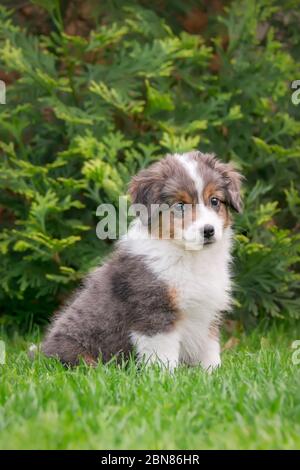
(162, 293)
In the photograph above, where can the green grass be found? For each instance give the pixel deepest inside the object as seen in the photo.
(253, 401)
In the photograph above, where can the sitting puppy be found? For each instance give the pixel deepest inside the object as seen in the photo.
(160, 296)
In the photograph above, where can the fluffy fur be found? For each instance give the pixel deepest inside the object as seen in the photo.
(159, 296)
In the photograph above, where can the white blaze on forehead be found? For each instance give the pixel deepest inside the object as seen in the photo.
(191, 167)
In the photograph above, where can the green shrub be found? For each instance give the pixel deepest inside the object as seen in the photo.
(85, 112)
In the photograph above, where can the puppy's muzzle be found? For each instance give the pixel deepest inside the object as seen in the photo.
(208, 234)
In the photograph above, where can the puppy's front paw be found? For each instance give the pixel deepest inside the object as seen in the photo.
(168, 365)
(211, 363)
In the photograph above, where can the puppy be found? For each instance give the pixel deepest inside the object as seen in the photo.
(162, 293)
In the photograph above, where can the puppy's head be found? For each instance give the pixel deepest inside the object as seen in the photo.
(187, 198)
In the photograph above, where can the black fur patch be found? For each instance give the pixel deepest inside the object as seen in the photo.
(118, 298)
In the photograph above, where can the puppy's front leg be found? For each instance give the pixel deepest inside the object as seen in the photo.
(161, 348)
(210, 355)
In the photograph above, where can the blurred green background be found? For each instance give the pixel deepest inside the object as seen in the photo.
(97, 90)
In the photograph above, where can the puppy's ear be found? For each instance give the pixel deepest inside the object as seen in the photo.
(139, 188)
(144, 188)
(232, 179)
(232, 184)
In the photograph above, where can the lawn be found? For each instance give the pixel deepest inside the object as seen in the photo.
(252, 402)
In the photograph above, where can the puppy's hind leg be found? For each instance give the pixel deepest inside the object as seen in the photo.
(66, 349)
(161, 348)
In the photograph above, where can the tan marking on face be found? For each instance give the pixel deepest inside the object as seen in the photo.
(180, 222)
(212, 190)
(170, 224)
(185, 197)
(225, 214)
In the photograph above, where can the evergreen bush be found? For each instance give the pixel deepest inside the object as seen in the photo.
(85, 111)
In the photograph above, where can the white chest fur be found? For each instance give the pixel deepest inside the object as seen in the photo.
(200, 277)
(201, 280)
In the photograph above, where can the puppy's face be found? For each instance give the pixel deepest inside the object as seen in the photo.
(188, 198)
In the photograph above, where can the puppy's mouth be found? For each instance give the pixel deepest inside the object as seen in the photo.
(210, 241)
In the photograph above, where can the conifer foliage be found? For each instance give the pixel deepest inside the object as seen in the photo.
(86, 108)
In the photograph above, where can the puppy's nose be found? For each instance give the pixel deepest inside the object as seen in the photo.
(209, 231)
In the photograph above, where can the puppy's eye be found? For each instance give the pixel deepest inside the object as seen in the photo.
(179, 207)
(215, 202)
